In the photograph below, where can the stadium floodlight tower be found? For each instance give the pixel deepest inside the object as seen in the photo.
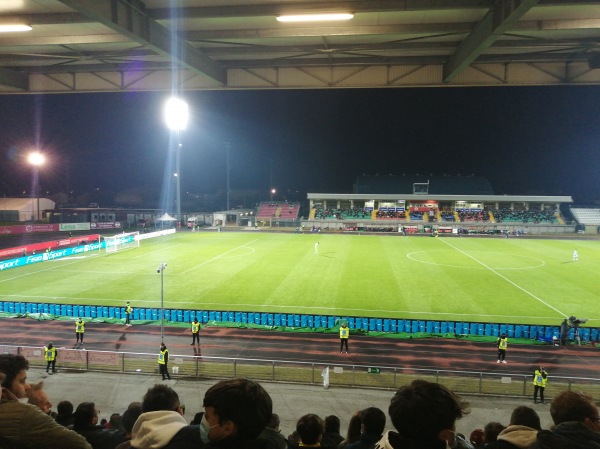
(161, 270)
(36, 160)
(176, 117)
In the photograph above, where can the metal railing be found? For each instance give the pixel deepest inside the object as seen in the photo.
(286, 371)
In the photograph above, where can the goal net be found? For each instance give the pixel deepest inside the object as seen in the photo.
(123, 241)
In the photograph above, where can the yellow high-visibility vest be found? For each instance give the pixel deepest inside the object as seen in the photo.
(49, 354)
(344, 332)
(80, 327)
(162, 357)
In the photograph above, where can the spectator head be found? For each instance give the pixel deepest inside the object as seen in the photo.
(310, 428)
(64, 408)
(332, 424)
(274, 422)
(426, 411)
(114, 422)
(525, 416)
(477, 438)
(491, 431)
(571, 406)
(161, 397)
(197, 419)
(86, 415)
(129, 418)
(37, 396)
(15, 369)
(239, 408)
(373, 420)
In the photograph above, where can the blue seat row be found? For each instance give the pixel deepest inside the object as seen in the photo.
(301, 321)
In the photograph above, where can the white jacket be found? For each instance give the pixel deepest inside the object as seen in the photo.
(154, 430)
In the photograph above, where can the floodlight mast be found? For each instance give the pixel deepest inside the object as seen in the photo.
(176, 117)
(36, 160)
(161, 270)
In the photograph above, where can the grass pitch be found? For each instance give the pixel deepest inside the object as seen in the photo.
(512, 280)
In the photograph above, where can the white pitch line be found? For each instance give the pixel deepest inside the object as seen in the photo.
(219, 256)
(537, 298)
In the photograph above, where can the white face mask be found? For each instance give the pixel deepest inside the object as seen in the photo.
(204, 429)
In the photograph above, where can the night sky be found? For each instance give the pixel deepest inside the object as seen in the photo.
(108, 147)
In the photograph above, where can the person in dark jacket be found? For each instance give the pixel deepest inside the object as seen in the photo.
(576, 423)
(373, 423)
(85, 423)
(424, 415)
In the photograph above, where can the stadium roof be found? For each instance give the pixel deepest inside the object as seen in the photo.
(433, 197)
(120, 45)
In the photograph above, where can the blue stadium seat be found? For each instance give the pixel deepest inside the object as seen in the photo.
(167, 313)
(138, 313)
(218, 317)
(204, 317)
(104, 311)
(393, 326)
(495, 329)
(414, 327)
(310, 321)
(269, 319)
(386, 325)
(296, 320)
(154, 314)
(465, 329)
(87, 312)
(525, 331)
(80, 311)
(585, 333)
(317, 321)
(510, 330)
(180, 315)
(188, 316)
(436, 327)
(69, 310)
(594, 335)
(291, 320)
(330, 322)
(372, 325)
(303, 321)
(488, 329)
(518, 331)
(451, 327)
(480, 329)
(429, 327)
(111, 312)
(444, 327)
(63, 310)
(503, 329)
(379, 324)
(52, 309)
(28, 307)
(277, 319)
(264, 319)
(533, 332)
(211, 316)
(231, 317)
(351, 323)
(473, 329)
(400, 325)
(43, 308)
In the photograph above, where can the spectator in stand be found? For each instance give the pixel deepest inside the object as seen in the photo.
(491, 432)
(332, 436)
(424, 415)
(38, 397)
(85, 423)
(64, 415)
(522, 431)
(236, 411)
(576, 423)
(128, 420)
(161, 423)
(353, 432)
(310, 428)
(273, 433)
(373, 423)
(25, 425)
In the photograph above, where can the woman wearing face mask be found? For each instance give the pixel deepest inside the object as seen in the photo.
(424, 414)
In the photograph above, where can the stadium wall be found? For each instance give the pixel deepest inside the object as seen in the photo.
(282, 321)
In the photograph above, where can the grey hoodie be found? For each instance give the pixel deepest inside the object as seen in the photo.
(519, 436)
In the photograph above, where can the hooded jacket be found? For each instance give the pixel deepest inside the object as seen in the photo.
(521, 437)
(568, 435)
(154, 430)
(393, 440)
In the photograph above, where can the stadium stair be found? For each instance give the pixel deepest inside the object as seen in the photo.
(492, 219)
(559, 218)
(456, 217)
(374, 214)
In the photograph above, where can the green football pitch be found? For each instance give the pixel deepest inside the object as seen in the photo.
(516, 280)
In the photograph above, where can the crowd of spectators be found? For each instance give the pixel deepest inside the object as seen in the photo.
(238, 413)
(342, 214)
(390, 215)
(473, 215)
(524, 216)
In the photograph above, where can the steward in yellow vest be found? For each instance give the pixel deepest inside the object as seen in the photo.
(79, 330)
(540, 377)
(50, 354)
(344, 335)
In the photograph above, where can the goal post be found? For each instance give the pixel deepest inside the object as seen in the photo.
(119, 242)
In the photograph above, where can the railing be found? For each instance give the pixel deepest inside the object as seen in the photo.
(340, 375)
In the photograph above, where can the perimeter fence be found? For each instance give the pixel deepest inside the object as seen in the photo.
(313, 373)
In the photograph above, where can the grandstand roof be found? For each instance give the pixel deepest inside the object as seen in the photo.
(414, 197)
(119, 45)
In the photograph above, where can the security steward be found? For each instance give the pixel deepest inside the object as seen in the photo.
(344, 334)
(128, 312)
(502, 344)
(163, 362)
(195, 331)
(79, 330)
(540, 376)
(50, 354)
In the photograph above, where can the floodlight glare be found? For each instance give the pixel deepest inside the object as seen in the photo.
(176, 114)
(36, 159)
(14, 27)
